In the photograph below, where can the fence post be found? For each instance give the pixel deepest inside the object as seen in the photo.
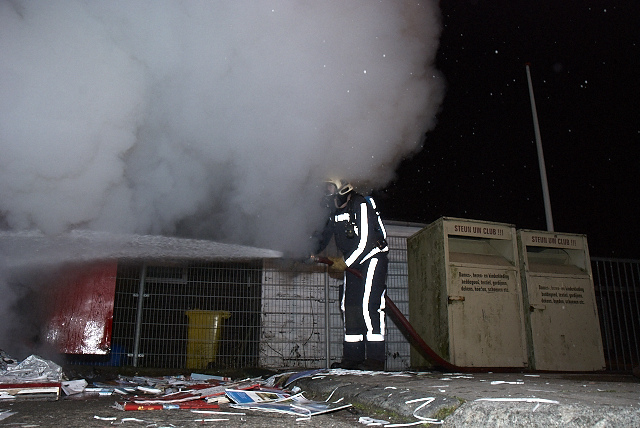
(136, 343)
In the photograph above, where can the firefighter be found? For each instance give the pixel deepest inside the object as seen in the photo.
(360, 236)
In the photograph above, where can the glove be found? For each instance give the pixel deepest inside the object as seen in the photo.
(338, 264)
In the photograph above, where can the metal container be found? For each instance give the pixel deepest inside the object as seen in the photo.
(465, 298)
(563, 329)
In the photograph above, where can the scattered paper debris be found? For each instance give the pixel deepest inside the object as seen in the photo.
(109, 418)
(217, 412)
(425, 402)
(457, 376)
(428, 400)
(268, 401)
(409, 424)
(300, 375)
(255, 396)
(203, 393)
(370, 422)
(71, 387)
(210, 420)
(198, 376)
(4, 414)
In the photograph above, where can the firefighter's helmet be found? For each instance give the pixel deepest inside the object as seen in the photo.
(338, 187)
(338, 190)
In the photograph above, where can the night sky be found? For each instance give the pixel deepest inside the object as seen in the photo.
(480, 162)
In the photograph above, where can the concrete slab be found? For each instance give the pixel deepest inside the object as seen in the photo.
(490, 399)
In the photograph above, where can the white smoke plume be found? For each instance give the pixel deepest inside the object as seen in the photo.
(207, 119)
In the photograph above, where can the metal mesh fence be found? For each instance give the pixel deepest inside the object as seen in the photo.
(299, 313)
(617, 287)
(271, 314)
(398, 349)
(187, 315)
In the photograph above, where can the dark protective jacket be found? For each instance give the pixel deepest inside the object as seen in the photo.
(358, 231)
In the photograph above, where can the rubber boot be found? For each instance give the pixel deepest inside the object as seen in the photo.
(375, 352)
(352, 356)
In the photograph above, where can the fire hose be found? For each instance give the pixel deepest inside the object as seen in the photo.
(412, 335)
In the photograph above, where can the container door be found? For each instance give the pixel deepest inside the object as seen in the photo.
(564, 323)
(485, 317)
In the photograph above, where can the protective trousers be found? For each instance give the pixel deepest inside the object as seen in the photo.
(363, 311)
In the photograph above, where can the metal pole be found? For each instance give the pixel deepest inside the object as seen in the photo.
(327, 315)
(136, 343)
(543, 170)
